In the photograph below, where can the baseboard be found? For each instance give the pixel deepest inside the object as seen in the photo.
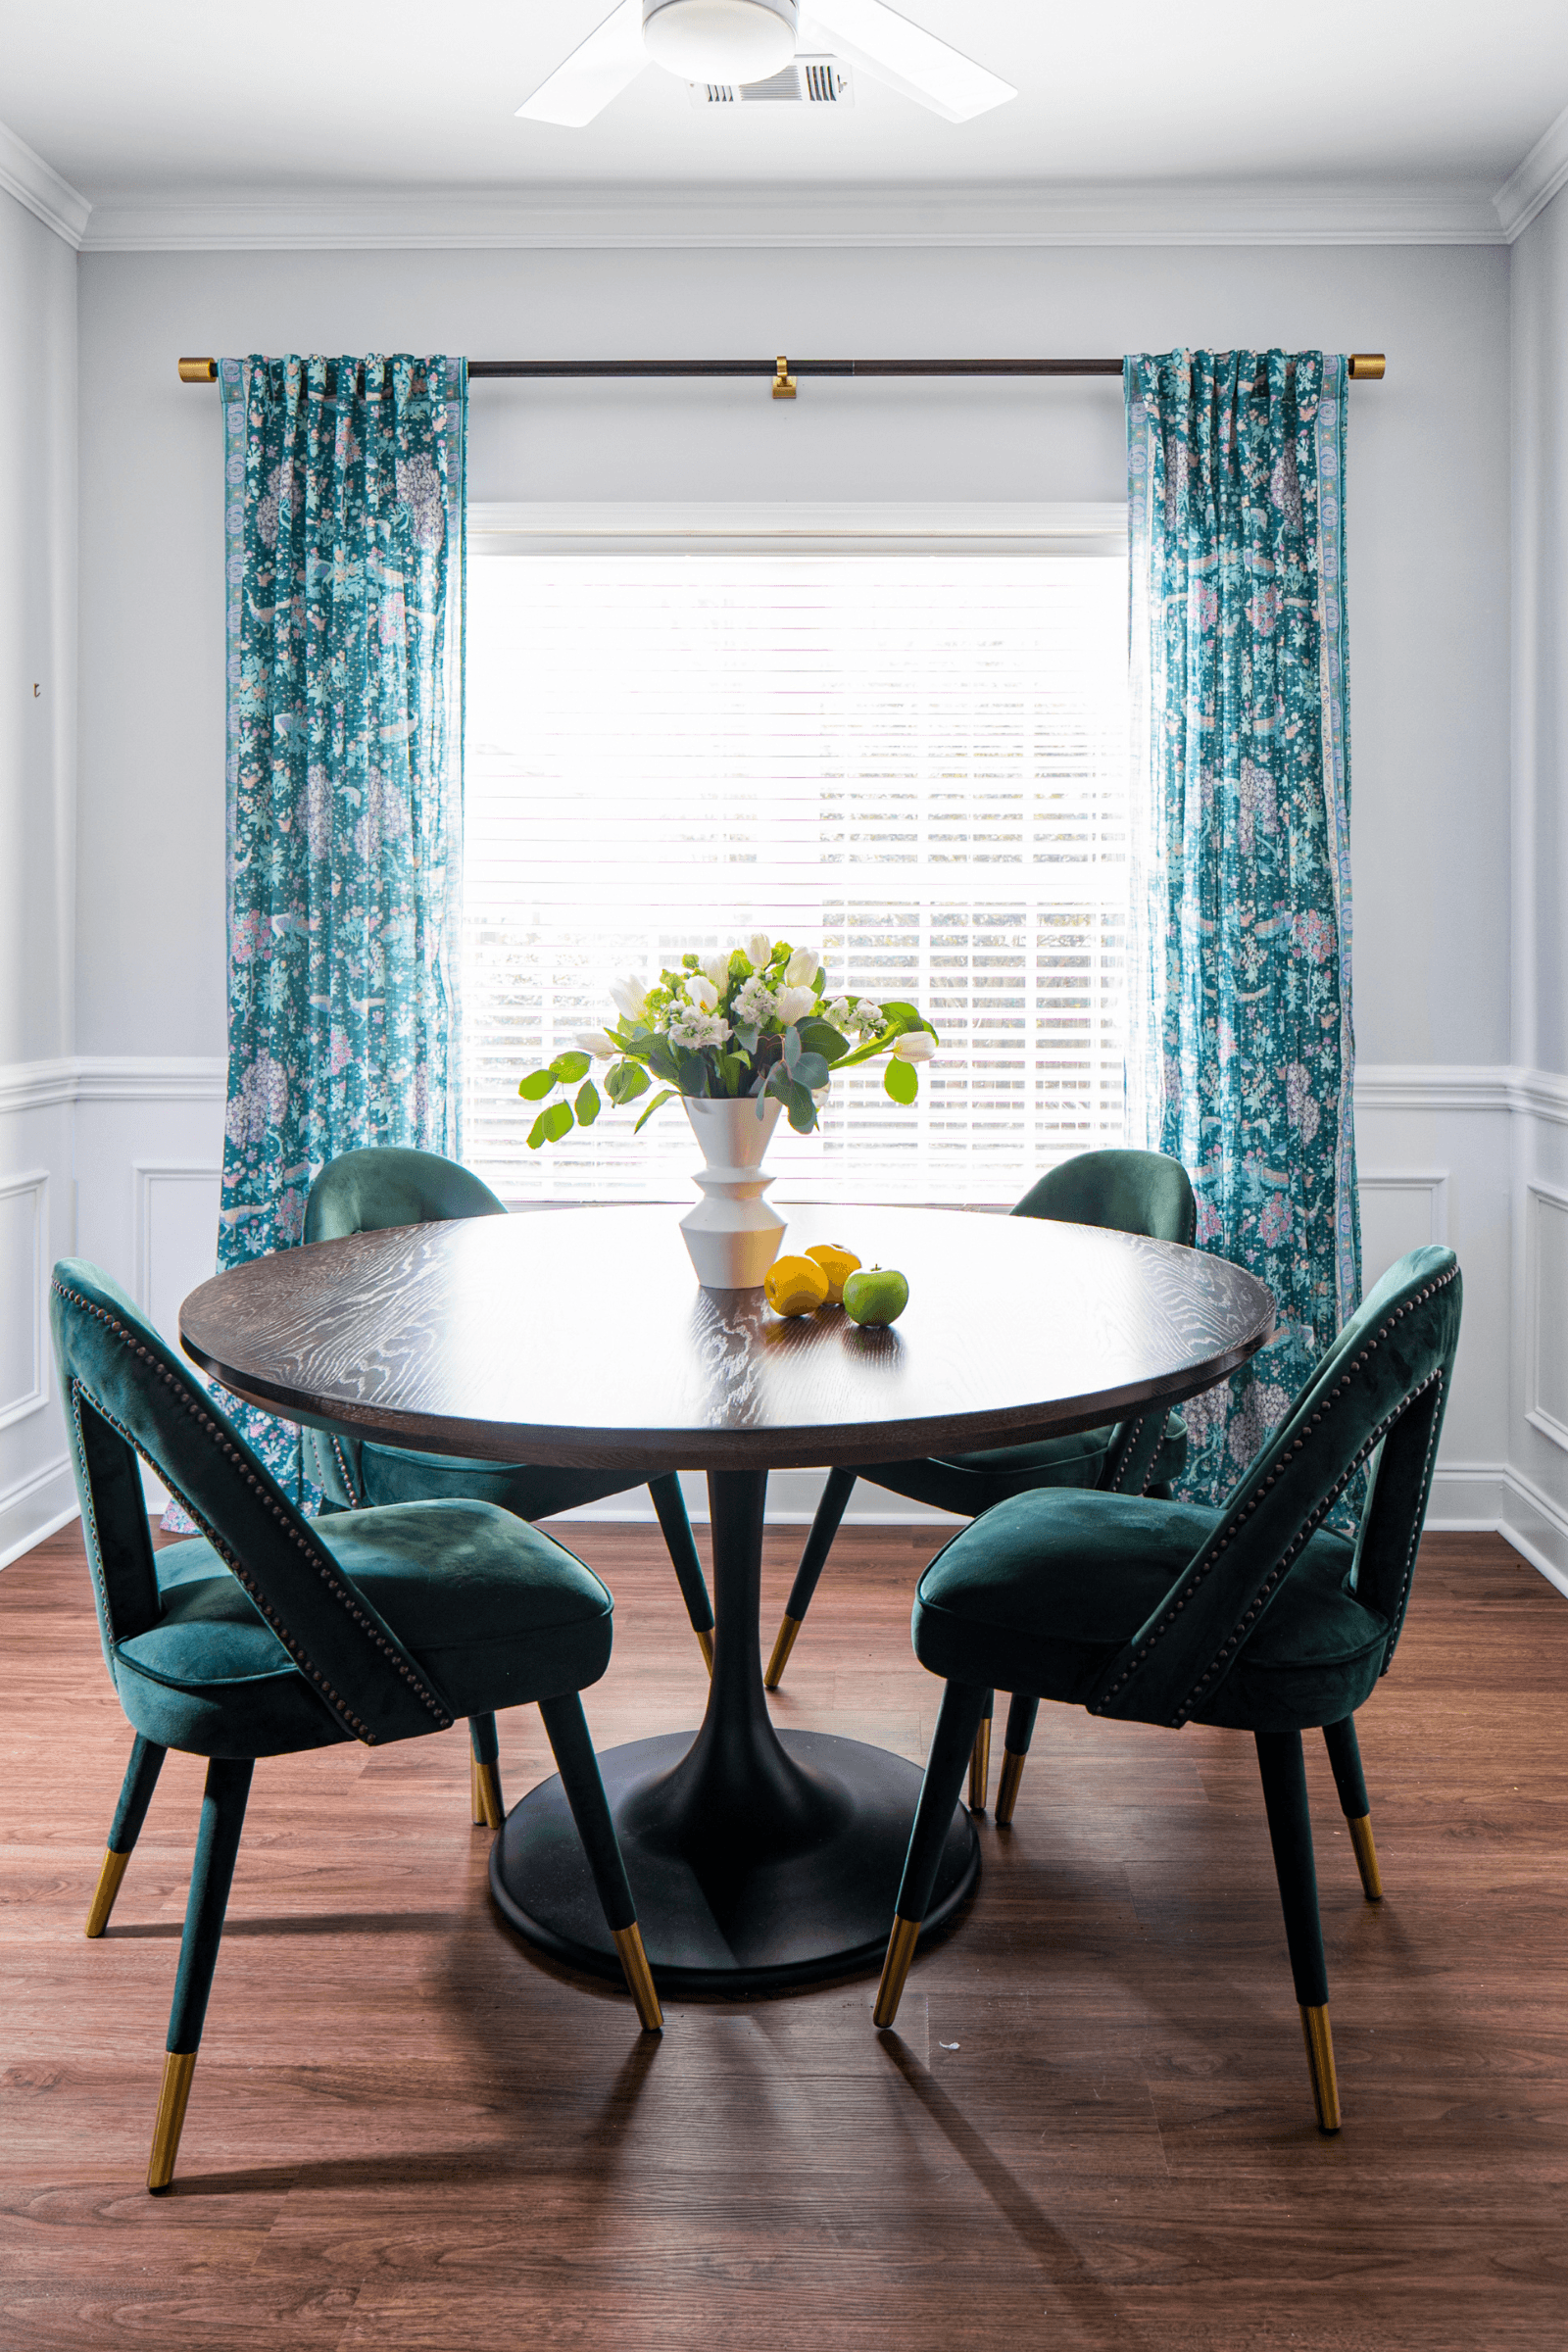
(35, 1507)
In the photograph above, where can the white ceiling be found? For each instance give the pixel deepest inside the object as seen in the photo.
(182, 100)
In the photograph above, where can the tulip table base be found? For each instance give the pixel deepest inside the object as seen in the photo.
(755, 1861)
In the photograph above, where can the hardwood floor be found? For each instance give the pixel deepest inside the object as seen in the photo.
(1094, 2127)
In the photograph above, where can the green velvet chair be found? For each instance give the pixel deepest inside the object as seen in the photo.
(364, 1192)
(268, 1634)
(1126, 1191)
(1253, 1616)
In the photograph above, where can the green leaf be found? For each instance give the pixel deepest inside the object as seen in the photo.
(665, 1094)
(569, 1067)
(625, 1081)
(746, 1036)
(537, 1085)
(811, 1069)
(802, 1108)
(732, 1069)
(539, 1132)
(693, 1074)
(557, 1122)
(901, 1082)
(661, 1059)
(791, 1048)
(587, 1104)
(820, 1037)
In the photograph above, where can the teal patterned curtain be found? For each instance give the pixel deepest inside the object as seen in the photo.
(345, 596)
(1240, 1050)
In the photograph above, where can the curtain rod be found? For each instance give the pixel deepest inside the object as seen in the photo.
(1365, 366)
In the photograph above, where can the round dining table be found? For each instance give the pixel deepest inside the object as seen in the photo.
(581, 1336)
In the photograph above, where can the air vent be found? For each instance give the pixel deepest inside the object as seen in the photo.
(809, 81)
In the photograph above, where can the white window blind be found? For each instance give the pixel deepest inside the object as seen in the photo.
(917, 762)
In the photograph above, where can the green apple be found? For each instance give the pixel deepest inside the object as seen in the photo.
(877, 1295)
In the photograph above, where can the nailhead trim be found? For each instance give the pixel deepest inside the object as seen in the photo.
(1222, 1538)
(1131, 1447)
(344, 1594)
(344, 1472)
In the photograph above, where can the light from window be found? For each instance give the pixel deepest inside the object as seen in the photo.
(916, 761)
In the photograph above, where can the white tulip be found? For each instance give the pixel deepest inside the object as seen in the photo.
(716, 967)
(703, 994)
(794, 1001)
(629, 995)
(595, 1042)
(759, 948)
(802, 967)
(915, 1044)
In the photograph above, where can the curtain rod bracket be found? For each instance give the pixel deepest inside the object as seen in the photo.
(783, 381)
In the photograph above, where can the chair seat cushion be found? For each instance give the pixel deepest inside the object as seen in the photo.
(973, 1483)
(1042, 1594)
(530, 1489)
(494, 1613)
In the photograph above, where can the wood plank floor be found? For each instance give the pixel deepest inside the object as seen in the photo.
(1094, 2127)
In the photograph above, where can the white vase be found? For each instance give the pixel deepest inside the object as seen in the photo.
(732, 1233)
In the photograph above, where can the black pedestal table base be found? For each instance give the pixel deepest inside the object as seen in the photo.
(755, 1862)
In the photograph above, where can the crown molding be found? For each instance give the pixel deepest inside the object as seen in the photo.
(34, 183)
(1536, 181)
(753, 216)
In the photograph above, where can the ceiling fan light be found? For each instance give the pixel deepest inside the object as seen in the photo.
(720, 40)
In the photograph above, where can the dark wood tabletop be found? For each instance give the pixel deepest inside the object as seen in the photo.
(582, 1338)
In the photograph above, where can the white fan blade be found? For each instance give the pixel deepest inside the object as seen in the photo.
(594, 73)
(891, 49)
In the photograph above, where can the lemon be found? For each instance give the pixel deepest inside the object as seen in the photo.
(837, 1264)
(795, 1285)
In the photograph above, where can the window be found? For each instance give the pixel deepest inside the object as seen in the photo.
(908, 747)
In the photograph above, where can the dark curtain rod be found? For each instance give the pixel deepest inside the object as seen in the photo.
(782, 373)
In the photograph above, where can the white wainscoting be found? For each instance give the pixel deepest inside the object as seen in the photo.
(129, 1152)
(37, 1494)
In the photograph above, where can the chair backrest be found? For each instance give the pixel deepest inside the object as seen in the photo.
(125, 1394)
(1130, 1192)
(1378, 1395)
(1126, 1191)
(366, 1192)
(389, 1183)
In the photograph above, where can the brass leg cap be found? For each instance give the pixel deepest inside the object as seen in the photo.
(1366, 1858)
(980, 1766)
(494, 1812)
(475, 1801)
(789, 1627)
(1007, 1787)
(104, 1894)
(1320, 2065)
(639, 1976)
(895, 1970)
(178, 2068)
(705, 1643)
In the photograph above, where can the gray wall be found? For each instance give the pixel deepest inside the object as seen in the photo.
(37, 635)
(1428, 508)
(1541, 646)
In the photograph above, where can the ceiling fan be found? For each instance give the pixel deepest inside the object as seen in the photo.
(742, 41)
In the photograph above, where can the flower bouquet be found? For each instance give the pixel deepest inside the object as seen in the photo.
(753, 1024)
(738, 1037)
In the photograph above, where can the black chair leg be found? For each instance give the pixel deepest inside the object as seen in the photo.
(980, 1758)
(484, 1773)
(1344, 1755)
(1289, 1828)
(962, 1706)
(229, 1785)
(568, 1728)
(814, 1560)
(670, 1504)
(135, 1795)
(1022, 1713)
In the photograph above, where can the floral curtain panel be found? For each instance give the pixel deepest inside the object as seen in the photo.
(1241, 1051)
(344, 527)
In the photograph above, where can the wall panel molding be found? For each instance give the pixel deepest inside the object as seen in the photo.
(29, 1302)
(1546, 1309)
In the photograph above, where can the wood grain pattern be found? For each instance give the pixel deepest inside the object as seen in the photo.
(1093, 2130)
(582, 1338)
